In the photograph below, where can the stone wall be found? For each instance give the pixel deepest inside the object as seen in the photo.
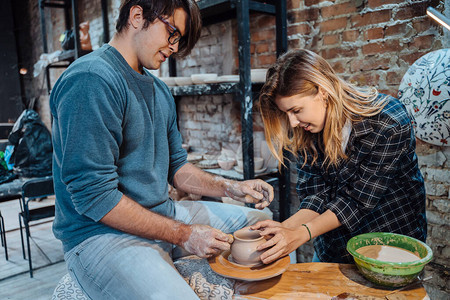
(434, 163)
(368, 42)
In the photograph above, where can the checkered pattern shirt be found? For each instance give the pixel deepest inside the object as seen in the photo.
(379, 188)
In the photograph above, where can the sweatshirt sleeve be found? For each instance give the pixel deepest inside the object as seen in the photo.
(178, 156)
(90, 120)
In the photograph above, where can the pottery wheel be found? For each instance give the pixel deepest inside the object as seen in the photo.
(223, 266)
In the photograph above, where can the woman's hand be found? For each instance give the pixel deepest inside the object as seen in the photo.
(280, 240)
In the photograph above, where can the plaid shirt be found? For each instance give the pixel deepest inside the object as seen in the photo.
(379, 188)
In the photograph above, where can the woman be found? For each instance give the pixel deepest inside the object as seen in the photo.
(357, 169)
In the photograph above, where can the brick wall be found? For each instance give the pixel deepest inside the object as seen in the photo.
(209, 122)
(368, 42)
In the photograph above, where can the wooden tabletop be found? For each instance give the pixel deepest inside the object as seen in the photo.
(323, 281)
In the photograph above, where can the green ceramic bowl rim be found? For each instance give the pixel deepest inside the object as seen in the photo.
(422, 261)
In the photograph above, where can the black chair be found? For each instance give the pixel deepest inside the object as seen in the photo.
(8, 191)
(3, 234)
(34, 189)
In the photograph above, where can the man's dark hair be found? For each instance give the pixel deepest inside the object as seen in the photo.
(154, 8)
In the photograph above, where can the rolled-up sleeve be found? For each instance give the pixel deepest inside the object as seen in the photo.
(90, 134)
(178, 156)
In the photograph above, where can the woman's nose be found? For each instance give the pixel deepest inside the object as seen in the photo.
(293, 120)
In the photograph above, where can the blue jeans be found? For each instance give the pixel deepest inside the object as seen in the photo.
(123, 266)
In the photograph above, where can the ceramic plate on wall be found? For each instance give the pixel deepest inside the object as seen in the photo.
(425, 91)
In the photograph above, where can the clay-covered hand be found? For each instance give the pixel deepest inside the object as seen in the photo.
(280, 240)
(205, 241)
(250, 191)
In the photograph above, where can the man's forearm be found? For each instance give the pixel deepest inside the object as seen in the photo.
(130, 217)
(193, 180)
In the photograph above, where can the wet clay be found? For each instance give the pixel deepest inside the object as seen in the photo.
(388, 253)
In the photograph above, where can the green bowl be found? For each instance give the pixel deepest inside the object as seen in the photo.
(392, 274)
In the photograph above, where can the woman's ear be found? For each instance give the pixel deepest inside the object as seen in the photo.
(136, 18)
(324, 94)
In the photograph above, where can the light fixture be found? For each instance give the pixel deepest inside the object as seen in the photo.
(438, 17)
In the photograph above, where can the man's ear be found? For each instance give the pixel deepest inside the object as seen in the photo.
(136, 18)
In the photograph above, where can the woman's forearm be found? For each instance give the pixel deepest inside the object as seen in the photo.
(301, 217)
(323, 223)
(317, 223)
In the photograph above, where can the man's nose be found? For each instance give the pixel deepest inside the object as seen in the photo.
(174, 48)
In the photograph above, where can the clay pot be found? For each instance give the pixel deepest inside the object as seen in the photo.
(243, 249)
(258, 163)
(270, 161)
(226, 164)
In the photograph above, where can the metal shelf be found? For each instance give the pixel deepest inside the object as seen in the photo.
(70, 7)
(219, 10)
(215, 11)
(235, 175)
(204, 89)
(211, 89)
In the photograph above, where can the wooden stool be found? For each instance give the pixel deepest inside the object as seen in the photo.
(68, 289)
(195, 271)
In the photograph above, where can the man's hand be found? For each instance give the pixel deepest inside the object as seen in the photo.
(250, 191)
(205, 241)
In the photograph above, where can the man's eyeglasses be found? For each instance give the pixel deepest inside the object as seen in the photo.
(175, 35)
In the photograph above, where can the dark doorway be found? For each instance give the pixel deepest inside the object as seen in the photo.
(10, 92)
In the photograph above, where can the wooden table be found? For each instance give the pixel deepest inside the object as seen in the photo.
(323, 281)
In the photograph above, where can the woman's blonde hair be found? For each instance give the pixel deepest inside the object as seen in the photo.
(302, 72)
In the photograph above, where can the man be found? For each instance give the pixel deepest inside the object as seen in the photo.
(117, 145)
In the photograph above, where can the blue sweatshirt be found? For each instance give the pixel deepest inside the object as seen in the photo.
(114, 132)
